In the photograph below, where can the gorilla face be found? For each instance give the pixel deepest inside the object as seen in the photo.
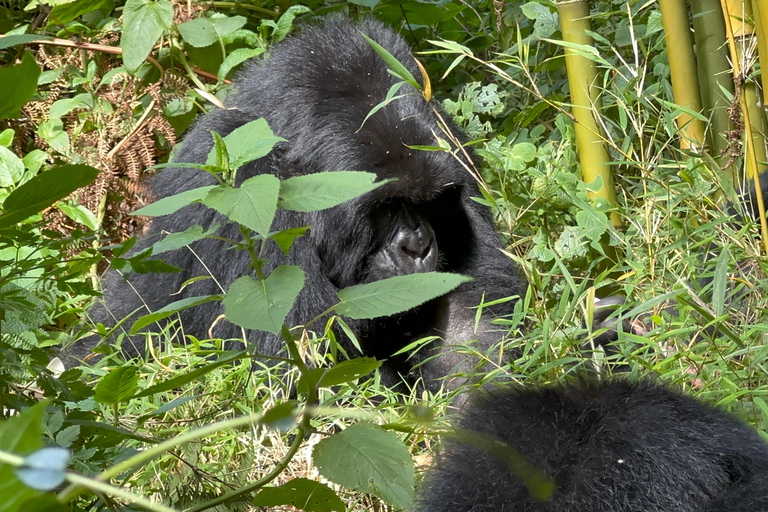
(316, 91)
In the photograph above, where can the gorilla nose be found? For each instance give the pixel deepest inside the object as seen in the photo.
(416, 249)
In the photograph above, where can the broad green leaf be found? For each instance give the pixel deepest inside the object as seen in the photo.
(143, 23)
(367, 458)
(173, 241)
(17, 85)
(249, 142)
(199, 32)
(188, 377)
(61, 14)
(282, 416)
(286, 237)
(52, 131)
(117, 386)
(284, 24)
(396, 294)
(45, 469)
(64, 106)
(43, 190)
(235, 58)
(81, 214)
(170, 310)
(225, 25)
(67, 436)
(253, 204)
(8, 41)
(347, 371)
(323, 190)
(11, 167)
(20, 435)
(301, 493)
(263, 305)
(174, 203)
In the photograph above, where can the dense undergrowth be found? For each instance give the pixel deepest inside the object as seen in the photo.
(692, 275)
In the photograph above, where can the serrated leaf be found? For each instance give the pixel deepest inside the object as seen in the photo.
(301, 493)
(367, 458)
(17, 84)
(67, 436)
(43, 190)
(199, 32)
(235, 58)
(171, 309)
(313, 192)
(263, 305)
(286, 237)
(174, 203)
(117, 386)
(396, 294)
(45, 469)
(249, 142)
(143, 23)
(253, 204)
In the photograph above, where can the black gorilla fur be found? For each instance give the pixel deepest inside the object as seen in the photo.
(614, 446)
(315, 90)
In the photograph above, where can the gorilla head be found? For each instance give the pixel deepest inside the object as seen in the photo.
(613, 446)
(315, 90)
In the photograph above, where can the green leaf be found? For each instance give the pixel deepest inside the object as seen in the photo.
(8, 41)
(174, 203)
(367, 458)
(323, 190)
(249, 142)
(81, 214)
(284, 24)
(253, 204)
(173, 241)
(188, 377)
(117, 386)
(263, 305)
(399, 70)
(720, 280)
(396, 294)
(11, 167)
(62, 14)
(199, 32)
(281, 416)
(17, 84)
(64, 106)
(66, 436)
(301, 493)
(226, 25)
(43, 190)
(235, 58)
(347, 371)
(45, 469)
(143, 23)
(52, 131)
(171, 309)
(286, 237)
(21, 435)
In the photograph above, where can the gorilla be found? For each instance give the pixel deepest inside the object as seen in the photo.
(315, 90)
(616, 445)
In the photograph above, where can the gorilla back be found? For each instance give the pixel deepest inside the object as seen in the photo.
(616, 446)
(315, 91)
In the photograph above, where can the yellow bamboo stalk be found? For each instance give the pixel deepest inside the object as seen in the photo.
(585, 102)
(735, 16)
(761, 26)
(682, 68)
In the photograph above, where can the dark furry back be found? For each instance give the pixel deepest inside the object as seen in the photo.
(617, 446)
